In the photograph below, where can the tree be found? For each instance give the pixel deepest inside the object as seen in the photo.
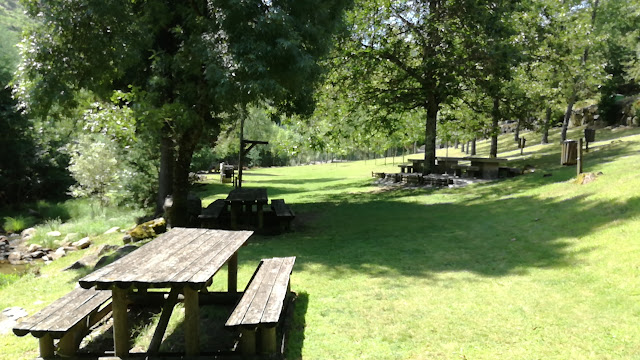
(405, 55)
(186, 62)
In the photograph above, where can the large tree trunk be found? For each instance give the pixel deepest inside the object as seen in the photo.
(186, 146)
(165, 175)
(545, 126)
(516, 135)
(567, 115)
(495, 116)
(430, 138)
(473, 146)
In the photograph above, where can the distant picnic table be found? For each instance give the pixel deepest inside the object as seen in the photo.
(484, 168)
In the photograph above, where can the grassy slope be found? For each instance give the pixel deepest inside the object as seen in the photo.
(531, 267)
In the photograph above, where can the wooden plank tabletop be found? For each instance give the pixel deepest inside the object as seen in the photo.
(489, 160)
(180, 257)
(248, 195)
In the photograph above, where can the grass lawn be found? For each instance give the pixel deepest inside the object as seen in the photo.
(533, 267)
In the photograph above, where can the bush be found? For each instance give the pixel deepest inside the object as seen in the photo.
(17, 224)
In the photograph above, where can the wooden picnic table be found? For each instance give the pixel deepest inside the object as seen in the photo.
(406, 168)
(446, 163)
(183, 260)
(247, 197)
(488, 167)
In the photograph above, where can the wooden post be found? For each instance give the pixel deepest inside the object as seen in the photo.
(120, 327)
(236, 209)
(69, 343)
(158, 334)
(232, 270)
(260, 216)
(579, 162)
(268, 340)
(248, 342)
(46, 346)
(191, 322)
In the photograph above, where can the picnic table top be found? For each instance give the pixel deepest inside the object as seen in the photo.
(248, 195)
(178, 258)
(491, 160)
(446, 158)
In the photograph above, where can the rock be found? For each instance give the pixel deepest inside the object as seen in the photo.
(82, 243)
(112, 230)
(60, 252)
(586, 178)
(113, 257)
(9, 317)
(14, 256)
(70, 237)
(34, 247)
(54, 233)
(148, 229)
(127, 239)
(46, 259)
(37, 254)
(103, 249)
(4, 240)
(28, 233)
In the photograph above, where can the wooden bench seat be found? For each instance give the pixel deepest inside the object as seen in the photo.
(68, 319)
(211, 214)
(467, 169)
(283, 212)
(261, 305)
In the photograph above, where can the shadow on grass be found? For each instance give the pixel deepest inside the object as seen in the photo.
(495, 238)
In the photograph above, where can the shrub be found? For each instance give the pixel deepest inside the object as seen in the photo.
(17, 224)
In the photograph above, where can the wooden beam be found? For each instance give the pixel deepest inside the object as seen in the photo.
(46, 346)
(191, 321)
(167, 309)
(268, 340)
(248, 342)
(232, 270)
(120, 325)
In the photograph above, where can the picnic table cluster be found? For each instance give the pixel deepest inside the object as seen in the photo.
(244, 208)
(178, 266)
(448, 169)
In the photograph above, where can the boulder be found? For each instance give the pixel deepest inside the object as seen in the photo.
(34, 248)
(28, 233)
(146, 230)
(112, 230)
(37, 254)
(14, 257)
(60, 252)
(70, 237)
(54, 233)
(82, 243)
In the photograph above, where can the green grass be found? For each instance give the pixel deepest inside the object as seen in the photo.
(534, 267)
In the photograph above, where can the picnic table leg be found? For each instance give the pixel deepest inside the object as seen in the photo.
(191, 322)
(260, 216)
(120, 327)
(232, 270)
(248, 342)
(46, 346)
(268, 340)
(236, 208)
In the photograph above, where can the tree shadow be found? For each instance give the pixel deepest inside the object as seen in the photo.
(493, 238)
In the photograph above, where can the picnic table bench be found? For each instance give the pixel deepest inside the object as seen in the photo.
(68, 319)
(284, 214)
(211, 214)
(246, 197)
(261, 305)
(469, 170)
(406, 168)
